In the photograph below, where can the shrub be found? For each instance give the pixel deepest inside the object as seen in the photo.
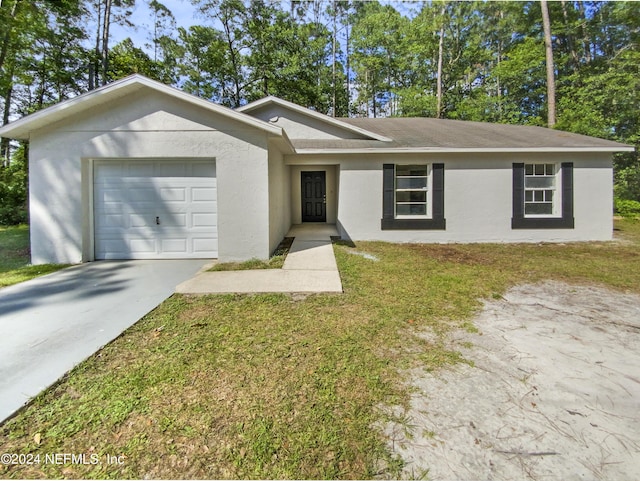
(627, 208)
(13, 190)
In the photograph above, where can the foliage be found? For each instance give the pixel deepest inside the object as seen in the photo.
(627, 208)
(13, 191)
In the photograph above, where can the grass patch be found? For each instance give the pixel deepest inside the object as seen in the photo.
(15, 262)
(273, 386)
(276, 261)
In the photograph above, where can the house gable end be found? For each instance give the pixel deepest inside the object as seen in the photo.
(302, 123)
(97, 105)
(147, 110)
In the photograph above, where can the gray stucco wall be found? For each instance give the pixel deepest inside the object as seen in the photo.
(299, 126)
(279, 198)
(147, 125)
(478, 197)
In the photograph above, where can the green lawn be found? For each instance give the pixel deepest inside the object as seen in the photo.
(278, 386)
(15, 259)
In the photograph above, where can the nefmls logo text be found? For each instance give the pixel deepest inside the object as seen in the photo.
(68, 458)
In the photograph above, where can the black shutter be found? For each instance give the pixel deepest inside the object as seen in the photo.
(517, 196)
(567, 194)
(388, 191)
(438, 191)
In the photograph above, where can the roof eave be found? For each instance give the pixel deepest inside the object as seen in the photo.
(453, 150)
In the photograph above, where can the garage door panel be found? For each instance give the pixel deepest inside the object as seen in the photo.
(177, 193)
(203, 220)
(204, 170)
(203, 244)
(139, 194)
(173, 194)
(142, 245)
(140, 220)
(174, 245)
(113, 220)
(203, 194)
(172, 220)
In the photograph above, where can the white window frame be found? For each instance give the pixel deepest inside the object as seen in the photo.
(556, 202)
(428, 189)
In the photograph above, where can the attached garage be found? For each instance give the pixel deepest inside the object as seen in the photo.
(155, 209)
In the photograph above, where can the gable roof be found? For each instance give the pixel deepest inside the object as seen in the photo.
(418, 134)
(21, 129)
(382, 135)
(271, 100)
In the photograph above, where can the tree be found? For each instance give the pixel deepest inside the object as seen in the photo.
(126, 59)
(551, 82)
(201, 61)
(163, 24)
(105, 12)
(378, 43)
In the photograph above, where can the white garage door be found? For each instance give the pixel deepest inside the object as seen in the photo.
(155, 209)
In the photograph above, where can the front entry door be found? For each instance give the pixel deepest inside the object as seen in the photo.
(314, 197)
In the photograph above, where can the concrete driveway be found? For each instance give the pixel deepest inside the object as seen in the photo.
(50, 324)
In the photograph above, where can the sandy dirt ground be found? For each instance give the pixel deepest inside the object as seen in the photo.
(554, 393)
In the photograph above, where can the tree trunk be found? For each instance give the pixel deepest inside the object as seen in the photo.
(569, 36)
(106, 24)
(586, 44)
(439, 75)
(333, 73)
(551, 82)
(347, 73)
(7, 35)
(5, 146)
(93, 62)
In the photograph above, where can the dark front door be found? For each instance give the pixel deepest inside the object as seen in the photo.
(314, 197)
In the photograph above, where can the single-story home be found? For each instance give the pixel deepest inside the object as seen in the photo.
(138, 169)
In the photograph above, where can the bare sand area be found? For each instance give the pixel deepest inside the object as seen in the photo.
(553, 393)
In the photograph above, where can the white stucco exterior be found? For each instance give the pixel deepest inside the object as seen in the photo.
(148, 126)
(258, 172)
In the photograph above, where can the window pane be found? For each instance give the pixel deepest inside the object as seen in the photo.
(550, 169)
(528, 169)
(538, 195)
(418, 170)
(538, 209)
(548, 195)
(539, 169)
(539, 182)
(411, 209)
(411, 196)
(528, 195)
(411, 183)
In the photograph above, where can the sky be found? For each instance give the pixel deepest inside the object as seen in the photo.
(185, 15)
(142, 18)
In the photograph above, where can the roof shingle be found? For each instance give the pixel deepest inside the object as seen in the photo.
(441, 134)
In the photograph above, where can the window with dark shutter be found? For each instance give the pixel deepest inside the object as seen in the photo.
(538, 203)
(413, 197)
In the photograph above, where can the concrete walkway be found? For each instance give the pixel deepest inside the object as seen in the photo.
(52, 323)
(310, 267)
